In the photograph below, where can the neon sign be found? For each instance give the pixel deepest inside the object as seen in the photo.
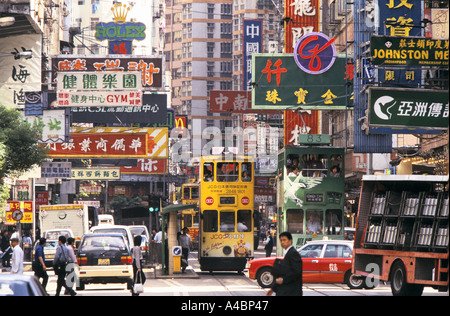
(315, 53)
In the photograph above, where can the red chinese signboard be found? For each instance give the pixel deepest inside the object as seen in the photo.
(233, 102)
(299, 122)
(147, 166)
(303, 19)
(113, 145)
(14, 207)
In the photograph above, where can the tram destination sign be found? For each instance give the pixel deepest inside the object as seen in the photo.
(408, 51)
(408, 108)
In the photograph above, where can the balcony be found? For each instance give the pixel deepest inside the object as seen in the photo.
(21, 17)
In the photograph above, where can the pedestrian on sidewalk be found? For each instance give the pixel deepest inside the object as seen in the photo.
(186, 245)
(71, 266)
(268, 244)
(59, 264)
(138, 271)
(39, 268)
(17, 257)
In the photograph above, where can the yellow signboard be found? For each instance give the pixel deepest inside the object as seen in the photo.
(96, 174)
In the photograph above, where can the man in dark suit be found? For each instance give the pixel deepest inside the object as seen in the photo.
(290, 283)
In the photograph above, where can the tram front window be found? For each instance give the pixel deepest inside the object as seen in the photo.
(294, 221)
(210, 221)
(195, 193)
(228, 172)
(314, 220)
(227, 222)
(244, 221)
(333, 222)
(314, 165)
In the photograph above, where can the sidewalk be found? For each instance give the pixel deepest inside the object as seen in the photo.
(157, 273)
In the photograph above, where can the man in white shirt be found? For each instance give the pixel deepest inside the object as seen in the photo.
(17, 257)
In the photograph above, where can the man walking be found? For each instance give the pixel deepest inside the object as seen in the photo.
(268, 242)
(17, 257)
(60, 262)
(290, 282)
(39, 268)
(186, 245)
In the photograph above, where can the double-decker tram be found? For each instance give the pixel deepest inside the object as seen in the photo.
(190, 194)
(226, 220)
(311, 191)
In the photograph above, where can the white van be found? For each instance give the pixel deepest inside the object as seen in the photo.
(105, 220)
(115, 229)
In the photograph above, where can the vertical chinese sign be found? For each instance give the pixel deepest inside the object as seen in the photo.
(19, 74)
(302, 18)
(252, 44)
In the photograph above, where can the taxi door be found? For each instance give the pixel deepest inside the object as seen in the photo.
(311, 262)
(335, 262)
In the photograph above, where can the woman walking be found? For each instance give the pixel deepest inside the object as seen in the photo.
(138, 273)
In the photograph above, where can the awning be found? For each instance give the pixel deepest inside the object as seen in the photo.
(178, 207)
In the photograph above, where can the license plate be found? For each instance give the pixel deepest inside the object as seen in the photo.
(103, 262)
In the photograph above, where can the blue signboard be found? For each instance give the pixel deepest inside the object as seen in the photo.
(120, 47)
(120, 31)
(400, 17)
(252, 45)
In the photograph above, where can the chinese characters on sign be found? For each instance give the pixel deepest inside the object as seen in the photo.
(15, 206)
(95, 174)
(147, 166)
(408, 108)
(303, 19)
(281, 84)
(400, 18)
(298, 123)
(56, 170)
(252, 45)
(118, 145)
(150, 68)
(99, 98)
(19, 74)
(54, 124)
(86, 81)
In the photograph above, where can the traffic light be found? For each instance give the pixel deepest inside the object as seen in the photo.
(154, 204)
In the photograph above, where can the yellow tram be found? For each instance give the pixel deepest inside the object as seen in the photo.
(226, 206)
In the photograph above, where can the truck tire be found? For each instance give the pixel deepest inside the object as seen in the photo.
(354, 282)
(399, 286)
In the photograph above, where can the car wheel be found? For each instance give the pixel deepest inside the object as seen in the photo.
(265, 277)
(399, 285)
(353, 281)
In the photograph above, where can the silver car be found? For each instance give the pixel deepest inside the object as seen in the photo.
(20, 285)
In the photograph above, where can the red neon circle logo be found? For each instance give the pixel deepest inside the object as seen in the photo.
(209, 201)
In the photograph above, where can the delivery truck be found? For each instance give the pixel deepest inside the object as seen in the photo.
(402, 233)
(68, 216)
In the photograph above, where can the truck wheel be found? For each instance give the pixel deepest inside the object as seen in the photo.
(265, 277)
(399, 286)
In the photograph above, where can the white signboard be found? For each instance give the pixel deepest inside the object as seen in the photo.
(98, 98)
(95, 81)
(19, 73)
(53, 122)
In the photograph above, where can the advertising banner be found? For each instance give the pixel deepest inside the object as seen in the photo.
(149, 67)
(14, 212)
(54, 124)
(408, 108)
(59, 170)
(411, 51)
(95, 174)
(252, 44)
(99, 98)
(147, 166)
(19, 74)
(88, 81)
(225, 101)
(281, 84)
(303, 19)
(153, 110)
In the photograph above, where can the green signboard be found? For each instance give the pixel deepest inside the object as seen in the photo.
(279, 84)
(408, 51)
(408, 108)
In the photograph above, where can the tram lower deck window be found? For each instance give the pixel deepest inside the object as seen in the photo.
(210, 218)
(294, 221)
(227, 222)
(333, 222)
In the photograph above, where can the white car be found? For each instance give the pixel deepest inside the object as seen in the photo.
(104, 258)
(116, 229)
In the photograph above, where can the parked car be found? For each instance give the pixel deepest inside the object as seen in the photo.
(324, 261)
(104, 258)
(116, 229)
(20, 285)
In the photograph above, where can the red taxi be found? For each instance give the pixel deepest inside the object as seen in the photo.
(324, 261)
